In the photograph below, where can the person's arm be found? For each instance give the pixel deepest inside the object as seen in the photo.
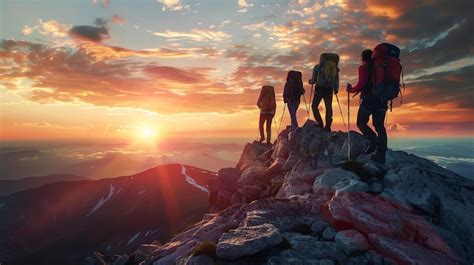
(314, 77)
(259, 100)
(363, 80)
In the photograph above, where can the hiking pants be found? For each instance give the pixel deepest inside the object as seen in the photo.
(378, 109)
(327, 104)
(265, 118)
(293, 108)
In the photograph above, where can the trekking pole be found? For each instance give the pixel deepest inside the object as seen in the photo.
(311, 94)
(307, 110)
(281, 119)
(340, 110)
(348, 126)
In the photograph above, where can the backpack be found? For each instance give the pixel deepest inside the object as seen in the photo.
(386, 72)
(294, 82)
(267, 99)
(328, 72)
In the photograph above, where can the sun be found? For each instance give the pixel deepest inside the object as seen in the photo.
(146, 134)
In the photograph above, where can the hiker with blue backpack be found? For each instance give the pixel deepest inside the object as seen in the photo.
(379, 84)
(325, 79)
(292, 94)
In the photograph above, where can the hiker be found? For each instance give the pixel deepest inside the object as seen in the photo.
(378, 83)
(292, 94)
(267, 105)
(326, 82)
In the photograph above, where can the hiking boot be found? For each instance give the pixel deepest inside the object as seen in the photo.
(371, 147)
(327, 129)
(261, 140)
(378, 156)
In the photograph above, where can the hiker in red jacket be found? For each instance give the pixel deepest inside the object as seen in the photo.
(267, 105)
(370, 105)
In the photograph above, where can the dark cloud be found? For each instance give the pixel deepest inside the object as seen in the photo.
(89, 33)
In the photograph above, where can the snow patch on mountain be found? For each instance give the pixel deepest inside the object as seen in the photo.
(103, 200)
(191, 181)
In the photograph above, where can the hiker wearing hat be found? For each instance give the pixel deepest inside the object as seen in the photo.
(292, 94)
(267, 105)
(379, 83)
(325, 78)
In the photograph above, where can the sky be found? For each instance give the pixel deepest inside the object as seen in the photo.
(110, 69)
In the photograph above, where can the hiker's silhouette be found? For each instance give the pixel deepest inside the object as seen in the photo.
(325, 78)
(292, 94)
(267, 105)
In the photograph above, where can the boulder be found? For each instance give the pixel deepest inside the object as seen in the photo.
(251, 191)
(351, 241)
(250, 154)
(247, 240)
(326, 182)
(350, 185)
(276, 167)
(319, 226)
(290, 162)
(310, 248)
(358, 144)
(281, 149)
(251, 176)
(329, 233)
(293, 187)
(407, 252)
(199, 260)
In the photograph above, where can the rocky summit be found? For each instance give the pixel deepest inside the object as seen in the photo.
(300, 201)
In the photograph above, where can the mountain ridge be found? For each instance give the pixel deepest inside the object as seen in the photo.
(299, 201)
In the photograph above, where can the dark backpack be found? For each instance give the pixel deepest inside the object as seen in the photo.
(387, 71)
(294, 82)
(328, 72)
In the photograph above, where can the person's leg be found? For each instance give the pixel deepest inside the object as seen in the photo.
(293, 108)
(378, 120)
(269, 127)
(362, 120)
(328, 106)
(315, 106)
(260, 126)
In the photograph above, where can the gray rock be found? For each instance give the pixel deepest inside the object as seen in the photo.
(290, 162)
(357, 145)
(294, 187)
(281, 149)
(250, 191)
(375, 257)
(310, 248)
(249, 240)
(320, 262)
(350, 185)
(199, 260)
(319, 226)
(121, 260)
(276, 166)
(372, 169)
(351, 241)
(251, 176)
(325, 183)
(358, 260)
(329, 233)
(376, 187)
(277, 260)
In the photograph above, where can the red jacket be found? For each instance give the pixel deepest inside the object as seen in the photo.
(362, 84)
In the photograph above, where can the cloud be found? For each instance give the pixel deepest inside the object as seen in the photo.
(118, 20)
(172, 5)
(199, 35)
(89, 33)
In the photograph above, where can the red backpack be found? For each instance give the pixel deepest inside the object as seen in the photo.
(387, 72)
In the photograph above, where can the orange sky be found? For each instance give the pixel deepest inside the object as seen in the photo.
(182, 69)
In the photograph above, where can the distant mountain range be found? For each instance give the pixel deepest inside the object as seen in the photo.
(62, 223)
(8, 187)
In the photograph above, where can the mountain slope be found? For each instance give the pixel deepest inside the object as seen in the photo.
(8, 187)
(62, 223)
(300, 201)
